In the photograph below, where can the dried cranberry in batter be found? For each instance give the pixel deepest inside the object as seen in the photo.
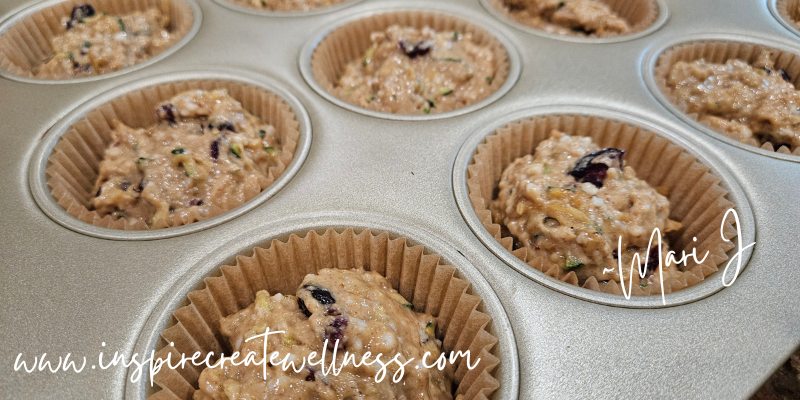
(419, 71)
(571, 201)
(207, 151)
(360, 310)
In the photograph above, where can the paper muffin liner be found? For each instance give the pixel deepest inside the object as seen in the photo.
(697, 199)
(639, 14)
(789, 10)
(351, 41)
(26, 46)
(720, 51)
(73, 164)
(424, 279)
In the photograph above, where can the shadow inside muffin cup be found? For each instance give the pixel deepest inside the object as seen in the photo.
(323, 60)
(425, 279)
(698, 199)
(720, 51)
(642, 17)
(26, 39)
(71, 166)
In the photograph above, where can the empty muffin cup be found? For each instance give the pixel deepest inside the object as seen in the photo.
(429, 283)
(720, 51)
(583, 20)
(698, 200)
(26, 40)
(324, 60)
(64, 172)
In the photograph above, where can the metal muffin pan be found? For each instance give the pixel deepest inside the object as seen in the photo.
(703, 289)
(67, 292)
(508, 370)
(25, 11)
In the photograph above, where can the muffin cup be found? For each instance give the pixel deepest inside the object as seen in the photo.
(720, 51)
(788, 13)
(25, 40)
(294, 13)
(66, 165)
(324, 59)
(425, 279)
(643, 17)
(698, 199)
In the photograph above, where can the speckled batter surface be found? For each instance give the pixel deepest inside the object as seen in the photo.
(571, 201)
(755, 103)
(207, 151)
(568, 17)
(358, 308)
(97, 43)
(419, 71)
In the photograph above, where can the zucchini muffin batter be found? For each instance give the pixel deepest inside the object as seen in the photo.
(95, 44)
(568, 17)
(753, 104)
(356, 307)
(418, 71)
(286, 5)
(571, 201)
(206, 152)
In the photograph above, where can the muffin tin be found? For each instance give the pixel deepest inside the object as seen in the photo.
(67, 291)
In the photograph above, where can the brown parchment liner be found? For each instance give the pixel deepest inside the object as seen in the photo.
(719, 51)
(73, 165)
(789, 10)
(697, 199)
(351, 41)
(639, 14)
(26, 46)
(424, 279)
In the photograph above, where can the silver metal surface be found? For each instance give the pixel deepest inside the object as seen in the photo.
(26, 11)
(46, 201)
(377, 8)
(66, 292)
(262, 236)
(692, 293)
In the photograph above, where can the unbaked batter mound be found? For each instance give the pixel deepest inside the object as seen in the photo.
(568, 17)
(358, 308)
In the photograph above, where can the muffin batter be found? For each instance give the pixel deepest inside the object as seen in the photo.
(358, 308)
(205, 152)
(572, 202)
(750, 103)
(95, 44)
(286, 5)
(418, 71)
(568, 17)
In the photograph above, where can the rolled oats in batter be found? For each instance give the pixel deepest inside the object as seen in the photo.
(286, 5)
(568, 17)
(750, 103)
(419, 71)
(571, 201)
(96, 43)
(360, 310)
(206, 152)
